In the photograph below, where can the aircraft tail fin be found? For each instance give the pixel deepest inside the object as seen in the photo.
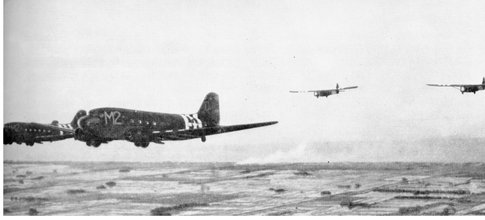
(78, 115)
(209, 110)
(483, 82)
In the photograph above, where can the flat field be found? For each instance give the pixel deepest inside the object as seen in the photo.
(169, 188)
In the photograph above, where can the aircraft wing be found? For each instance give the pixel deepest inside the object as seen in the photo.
(201, 132)
(351, 87)
(299, 91)
(325, 90)
(440, 85)
(51, 138)
(455, 85)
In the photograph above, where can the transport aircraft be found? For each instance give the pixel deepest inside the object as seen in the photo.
(326, 92)
(465, 87)
(103, 125)
(30, 133)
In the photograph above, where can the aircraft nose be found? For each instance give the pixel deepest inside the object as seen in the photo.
(87, 122)
(81, 122)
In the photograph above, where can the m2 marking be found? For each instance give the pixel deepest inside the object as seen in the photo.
(112, 116)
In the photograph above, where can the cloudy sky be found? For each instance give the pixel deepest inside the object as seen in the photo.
(61, 56)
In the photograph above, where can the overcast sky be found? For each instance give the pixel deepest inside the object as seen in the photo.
(61, 56)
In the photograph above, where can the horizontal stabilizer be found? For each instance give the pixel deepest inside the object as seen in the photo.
(202, 132)
(231, 128)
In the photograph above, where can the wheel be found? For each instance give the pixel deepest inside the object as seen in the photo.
(96, 143)
(145, 144)
(137, 144)
(88, 143)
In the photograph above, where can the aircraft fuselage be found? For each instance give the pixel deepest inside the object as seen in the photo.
(30, 133)
(136, 126)
(325, 93)
(470, 89)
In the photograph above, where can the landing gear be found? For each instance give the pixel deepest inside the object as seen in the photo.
(93, 143)
(142, 144)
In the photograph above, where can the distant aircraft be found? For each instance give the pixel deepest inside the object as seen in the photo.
(30, 133)
(326, 92)
(102, 125)
(465, 87)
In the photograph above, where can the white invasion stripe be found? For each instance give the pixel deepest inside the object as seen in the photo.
(67, 126)
(156, 132)
(199, 122)
(186, 121)
(192, 121)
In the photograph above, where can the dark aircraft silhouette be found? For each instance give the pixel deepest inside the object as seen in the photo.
(102, 125)
(465, 87)
(326, 92)
(30, 133)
